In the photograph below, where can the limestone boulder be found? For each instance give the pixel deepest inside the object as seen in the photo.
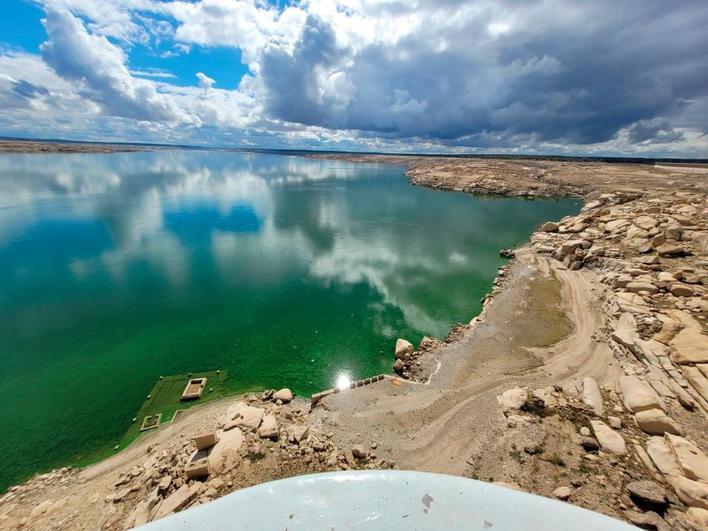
(638, 395)
(550, 226)
(592, 396)
(404, 349)
(244, 416)
(177, 500)
(513, 399)
(656, 422)
(625, 330)
(697, 517)
(609, 440)
(224, 454)
(697, 379)
(690, 345)
(647, 494)
(691, 460)
(700, 243)
(691, 493)
(662, 456)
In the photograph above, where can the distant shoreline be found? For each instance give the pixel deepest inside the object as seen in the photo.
(29, 145)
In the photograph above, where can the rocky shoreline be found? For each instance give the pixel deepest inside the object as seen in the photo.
(585, 378)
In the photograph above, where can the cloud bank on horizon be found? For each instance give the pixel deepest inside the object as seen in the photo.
(543, 76)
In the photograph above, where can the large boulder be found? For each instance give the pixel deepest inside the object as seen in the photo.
(691, 460)
(625, 331)
(648, 495)
(592, 396)
(662, 456)
(656, 422)
(404, 349)
(229, 444)
(697, 517)
(638, 395)
(691, 493)
(177, 500)
(243, 415)
(690, 346)
(609, 440)
(513, 399)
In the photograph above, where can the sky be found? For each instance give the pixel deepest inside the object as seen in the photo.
(538, 76)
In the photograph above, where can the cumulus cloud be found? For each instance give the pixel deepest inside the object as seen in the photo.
(99, 67)
(430, 75)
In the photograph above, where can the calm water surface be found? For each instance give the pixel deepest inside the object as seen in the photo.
(115, 269)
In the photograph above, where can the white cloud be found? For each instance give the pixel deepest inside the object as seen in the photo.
(387, 74)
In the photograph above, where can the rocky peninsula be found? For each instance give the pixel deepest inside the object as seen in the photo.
(585, 377)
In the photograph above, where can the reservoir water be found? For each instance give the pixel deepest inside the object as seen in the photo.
(283, 271)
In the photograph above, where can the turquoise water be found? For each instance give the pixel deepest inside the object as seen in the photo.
(284, 271)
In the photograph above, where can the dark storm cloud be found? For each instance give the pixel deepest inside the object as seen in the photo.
(571, 72)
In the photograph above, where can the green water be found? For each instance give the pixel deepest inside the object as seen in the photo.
(284, 271)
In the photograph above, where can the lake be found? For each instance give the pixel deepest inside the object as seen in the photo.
(282, 271)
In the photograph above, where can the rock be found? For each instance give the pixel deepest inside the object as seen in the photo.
(592, 396)
(285, 395)
(696, 516)
(513, 399)
(549, 226)
(700, 243)
(590, 444)
(639, 287)
(691, 493)
(671, 250)
(648, 495)
(562, 493)
(656, 422)
(508, 485)
(690, 459)
(615, 422)
(198, 465)
(507, 253)
(697, 379)
(648, 520)
(399, 366)
(206, 440)
(403, 349)
(690, 346)
(226, 449)
(269, 428)
(244, 416)
(585, 431)
(625, 331)
(681, 290)
(638, 395)
(532, 448)
(177, 500)
(609, 440)
(298, 433)
(164, 483)
(359, 451)
(662, 456)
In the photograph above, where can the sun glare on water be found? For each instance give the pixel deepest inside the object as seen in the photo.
(343, 382)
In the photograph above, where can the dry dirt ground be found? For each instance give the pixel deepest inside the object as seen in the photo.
(506, 398)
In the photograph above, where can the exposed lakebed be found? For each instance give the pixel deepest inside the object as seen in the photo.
(282, 271)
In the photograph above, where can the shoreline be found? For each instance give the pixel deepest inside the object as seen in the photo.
(456, 424)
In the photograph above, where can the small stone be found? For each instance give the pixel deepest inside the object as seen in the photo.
(532, 448)
(615, 422)
(585, 431)
(358, 451)
(562, 493)
(285, 395)
(656, 422)
(589, 444)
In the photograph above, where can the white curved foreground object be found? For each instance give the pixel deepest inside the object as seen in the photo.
(386, 500)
